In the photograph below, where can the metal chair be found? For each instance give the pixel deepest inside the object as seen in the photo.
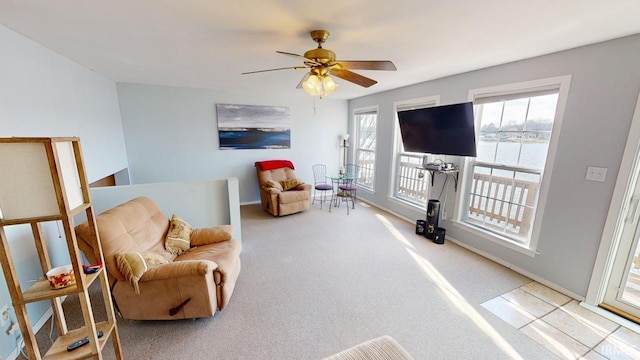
(342, 195)
(350, 187)
(320, 183)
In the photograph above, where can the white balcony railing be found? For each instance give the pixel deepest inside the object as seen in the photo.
(409, 185)
(501, 204)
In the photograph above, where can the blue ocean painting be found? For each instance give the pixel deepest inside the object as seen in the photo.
(253, 127)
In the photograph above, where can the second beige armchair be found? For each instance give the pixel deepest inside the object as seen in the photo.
(281, 193)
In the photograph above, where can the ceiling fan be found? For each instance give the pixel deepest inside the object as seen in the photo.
(322, 62)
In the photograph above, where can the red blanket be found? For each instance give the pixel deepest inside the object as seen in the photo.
(273, 164)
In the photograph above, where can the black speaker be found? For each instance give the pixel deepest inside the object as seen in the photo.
(439, 235)
(433, 214)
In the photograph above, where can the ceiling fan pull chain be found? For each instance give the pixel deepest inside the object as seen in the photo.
(314, 106)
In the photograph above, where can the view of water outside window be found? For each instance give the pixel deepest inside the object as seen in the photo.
(366, 124)
(512, 150)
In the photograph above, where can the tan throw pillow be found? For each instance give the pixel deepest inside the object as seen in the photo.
(133, 265)
(273, 184)
(290, 184)
(178, 236)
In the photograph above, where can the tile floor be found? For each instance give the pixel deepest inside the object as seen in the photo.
(561, 325)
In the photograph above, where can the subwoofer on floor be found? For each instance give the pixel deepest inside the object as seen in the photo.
(433, 215)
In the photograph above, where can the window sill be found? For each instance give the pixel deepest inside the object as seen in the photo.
(500, 240)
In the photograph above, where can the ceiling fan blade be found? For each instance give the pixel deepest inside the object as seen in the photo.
(352, 77)
(300, 57)
(284, 68)
(366, 64)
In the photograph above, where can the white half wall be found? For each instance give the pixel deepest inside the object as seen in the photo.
(201, 203)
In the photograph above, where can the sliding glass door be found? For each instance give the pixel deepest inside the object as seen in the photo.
(623, 291)
(621, 280)
(631, 290)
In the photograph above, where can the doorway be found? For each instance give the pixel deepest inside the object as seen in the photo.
(622, 292)
(615, 283)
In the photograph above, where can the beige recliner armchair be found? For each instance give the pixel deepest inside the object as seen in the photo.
(281, 193)
(151, 280)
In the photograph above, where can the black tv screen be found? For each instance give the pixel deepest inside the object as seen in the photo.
(441, 130)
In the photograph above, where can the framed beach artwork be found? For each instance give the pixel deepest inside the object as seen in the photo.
(253, 127)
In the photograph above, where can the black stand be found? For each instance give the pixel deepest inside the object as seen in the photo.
(453, 173)
(433, 215)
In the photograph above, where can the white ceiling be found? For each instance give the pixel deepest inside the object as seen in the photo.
(207, 44)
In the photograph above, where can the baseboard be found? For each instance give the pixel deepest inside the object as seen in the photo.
(387, 210)
(13, 355)
(517, 269)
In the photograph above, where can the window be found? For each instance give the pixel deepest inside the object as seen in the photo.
(366, 122)
(408, 186)
(504, 183)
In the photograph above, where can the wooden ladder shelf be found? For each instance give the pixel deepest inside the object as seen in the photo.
(52, 187)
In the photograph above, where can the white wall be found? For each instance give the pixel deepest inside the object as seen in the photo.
(171, 134)
(45, 94)
(604, 87)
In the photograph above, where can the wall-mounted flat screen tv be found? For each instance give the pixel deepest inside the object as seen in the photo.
(440, 130)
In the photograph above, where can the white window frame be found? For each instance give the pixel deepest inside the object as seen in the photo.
(466, 173)
(356, 142)
(418, 103)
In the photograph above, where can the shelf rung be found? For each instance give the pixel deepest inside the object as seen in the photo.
(77, 210)
(9, 222)
(73, 212)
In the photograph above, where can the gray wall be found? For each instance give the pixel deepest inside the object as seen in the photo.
(604, 89)
(171, 134)
(45, 94)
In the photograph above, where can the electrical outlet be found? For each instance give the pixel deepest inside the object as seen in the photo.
(4, 315)
(444, 215)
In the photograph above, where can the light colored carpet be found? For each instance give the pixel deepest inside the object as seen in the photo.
(316, 283)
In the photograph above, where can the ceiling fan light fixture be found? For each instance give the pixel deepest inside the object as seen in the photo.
(329, 85)
(313, 85)
(319, 85)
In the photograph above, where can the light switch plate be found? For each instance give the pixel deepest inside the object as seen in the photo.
(595, 173)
